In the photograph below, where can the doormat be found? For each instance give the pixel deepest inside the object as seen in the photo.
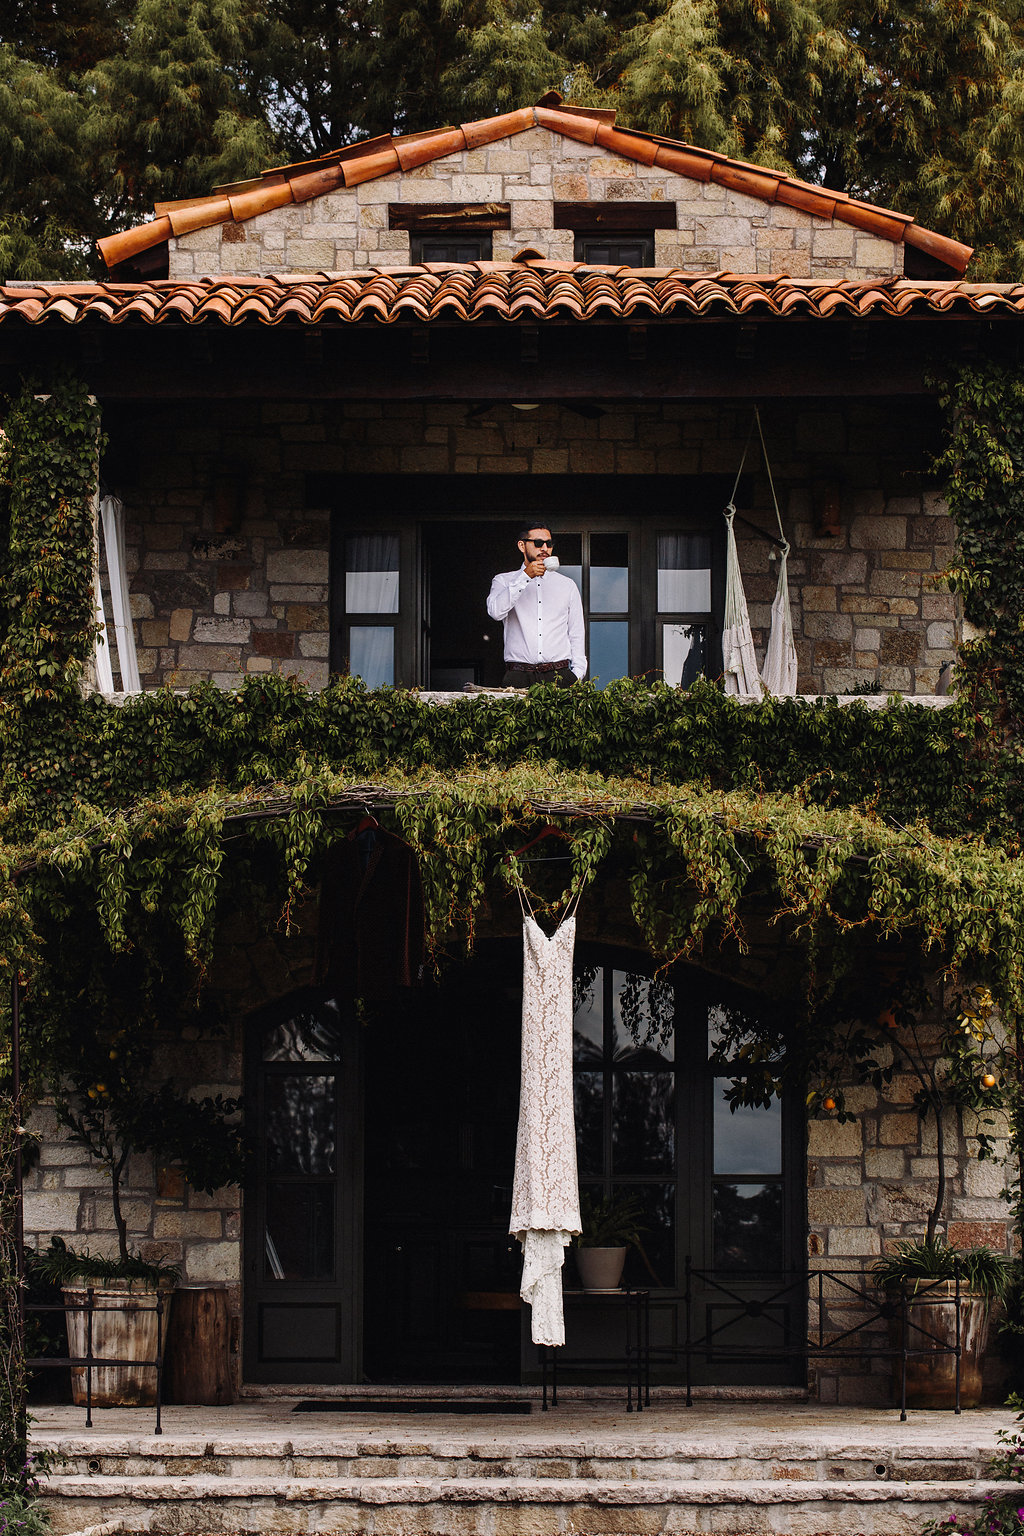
(412, 1405)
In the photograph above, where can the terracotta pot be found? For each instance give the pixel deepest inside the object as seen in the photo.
(600, 1268)
(124, 1327)
(931, 1378)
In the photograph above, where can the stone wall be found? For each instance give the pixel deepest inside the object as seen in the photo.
(229, 564)
(717, 230)
(870, 1182)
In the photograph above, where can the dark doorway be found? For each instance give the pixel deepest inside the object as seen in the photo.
(441, 1105)
(461, 561)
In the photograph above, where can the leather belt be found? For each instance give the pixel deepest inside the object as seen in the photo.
(536, 666)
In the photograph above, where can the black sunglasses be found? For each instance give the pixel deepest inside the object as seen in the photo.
(542, 543)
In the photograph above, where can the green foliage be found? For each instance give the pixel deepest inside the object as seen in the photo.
(930, 1260)
(611, 1221)
(13, 1418)
(169, 115)
(60, 1265)
(22, 1515)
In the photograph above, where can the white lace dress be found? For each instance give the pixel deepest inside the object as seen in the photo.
(545, 1190)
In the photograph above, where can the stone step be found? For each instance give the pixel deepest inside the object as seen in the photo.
(507, 1506)
(334, 1456)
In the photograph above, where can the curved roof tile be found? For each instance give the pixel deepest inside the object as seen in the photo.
(385, 156)
(489, 291)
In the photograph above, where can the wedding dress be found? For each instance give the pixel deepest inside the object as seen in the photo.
(545, 1191)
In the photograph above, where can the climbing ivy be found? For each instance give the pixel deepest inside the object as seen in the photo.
(839, 825)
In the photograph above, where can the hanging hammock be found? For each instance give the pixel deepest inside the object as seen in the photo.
(739, 661)
(780, 668)
(738, 658)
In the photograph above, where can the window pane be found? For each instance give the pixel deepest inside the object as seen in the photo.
(307, 1037)
(569, 549)
(684, 572)
(299, 1238)
(371, 653)
(371, 573)
(684, 653)
(657, 1234)
(588, 1096)
(643, 1125)
(609, 573)
(300, 1135)
(588, 1014)
(643, 1018)
(747, 1140)
(609, 651)
(747, 1223)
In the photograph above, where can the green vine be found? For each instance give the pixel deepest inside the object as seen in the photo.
(842, 826)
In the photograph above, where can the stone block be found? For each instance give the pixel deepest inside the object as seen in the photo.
(827, 626)
(210, 630)
(819, 599)
(273, 642)
(191, 1225)
(834, 1207)
(314, 645)
(307, 616)
(215, 1262)
(852, 1242)
(313, 674)
(885, 1163)
(901, 648)
(297, 566)
(51, 1212)
(829, 1138)
(899, 1131)
(846, 679)
(878, 532)
(941, 636)
(986, 1180)
(252, 605)
(972, 1234)
(204, 659)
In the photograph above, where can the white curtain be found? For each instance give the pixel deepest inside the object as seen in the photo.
(111, 526)
(779, 675)
(739, 661)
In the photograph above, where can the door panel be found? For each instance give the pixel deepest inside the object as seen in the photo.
(302, 1208)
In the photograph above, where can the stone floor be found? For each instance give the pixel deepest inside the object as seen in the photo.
(585, 1469)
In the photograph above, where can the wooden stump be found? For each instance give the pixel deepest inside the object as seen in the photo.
(198, 1366)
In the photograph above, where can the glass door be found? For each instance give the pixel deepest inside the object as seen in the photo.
(302, 1208)
(719, 1187)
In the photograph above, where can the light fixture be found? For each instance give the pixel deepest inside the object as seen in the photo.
(522, 406)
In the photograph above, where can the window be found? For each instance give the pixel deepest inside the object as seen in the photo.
(614, 234)
(468, 246)
(617, 250)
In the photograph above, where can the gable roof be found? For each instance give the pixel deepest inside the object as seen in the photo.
(387, 156)
(494, 291)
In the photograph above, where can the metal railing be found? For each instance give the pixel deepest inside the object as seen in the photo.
(779, 1301)
(90, 1361)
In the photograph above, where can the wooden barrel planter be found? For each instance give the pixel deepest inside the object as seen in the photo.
(931, 1377)
(199, 1348)
(124, 1327)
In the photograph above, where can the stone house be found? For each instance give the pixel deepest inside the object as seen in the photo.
(330, 394)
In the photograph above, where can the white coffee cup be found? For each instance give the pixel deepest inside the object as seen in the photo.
(551, 562)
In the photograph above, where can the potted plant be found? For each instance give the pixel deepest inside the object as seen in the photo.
(609, 1225)
(930, 1274)
(105, 1060)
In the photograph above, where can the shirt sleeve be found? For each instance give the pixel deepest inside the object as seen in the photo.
(505, 593)
(577, 634)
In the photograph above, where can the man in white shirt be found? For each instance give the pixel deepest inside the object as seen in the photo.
(543, 617)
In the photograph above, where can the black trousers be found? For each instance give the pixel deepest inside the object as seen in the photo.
(526, 678)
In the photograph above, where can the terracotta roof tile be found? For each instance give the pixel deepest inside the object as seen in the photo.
(385, 156)
(532, 291)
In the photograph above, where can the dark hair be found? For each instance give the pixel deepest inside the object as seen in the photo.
(526, 528)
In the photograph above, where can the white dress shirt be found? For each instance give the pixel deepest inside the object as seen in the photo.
(543, 618)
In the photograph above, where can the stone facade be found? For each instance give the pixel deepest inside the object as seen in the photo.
(717, 229)
(870, 1181)
(229, 564)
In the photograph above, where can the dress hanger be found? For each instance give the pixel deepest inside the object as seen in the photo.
(550, 830)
